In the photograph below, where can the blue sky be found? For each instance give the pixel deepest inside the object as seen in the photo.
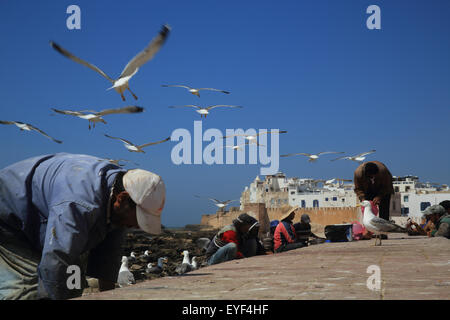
(309, 67)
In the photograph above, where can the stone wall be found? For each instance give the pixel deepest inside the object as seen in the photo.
(320, 216)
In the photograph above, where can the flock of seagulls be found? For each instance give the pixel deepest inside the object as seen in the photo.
(314, 157)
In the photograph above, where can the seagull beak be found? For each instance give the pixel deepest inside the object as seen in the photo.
(358, 205)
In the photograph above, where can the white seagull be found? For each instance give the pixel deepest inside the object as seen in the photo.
(158, 268)
(312, 157)
(117, 161)
(194, 91)
(219, 203)
(377, 225)
(185, 265)
(121, 84)
(125, 277)
(28, 127)
(205, 111)
(135, 148)
(194, 263)
(358, 158)
(94, 116)
(252, 137)
(241, 146)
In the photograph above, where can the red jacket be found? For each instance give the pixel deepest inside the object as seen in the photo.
(284, 234)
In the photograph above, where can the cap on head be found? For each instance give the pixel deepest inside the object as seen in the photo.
(148, 191)
(246, 219)
(274, 223)
(440, 210)
(305, 218)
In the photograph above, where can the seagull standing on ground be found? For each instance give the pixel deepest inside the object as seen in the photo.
(185, 265)
(93, 116)
(194, 91)
(158, 268)
(125, 277)
(358, 158)
(28, 127)
(135, 148)
(205, 111)
(312, 157)
(377, 225)
(121, 84)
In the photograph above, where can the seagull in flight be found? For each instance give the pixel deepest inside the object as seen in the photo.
(194, 91)
(135, 148)
(205, 111)
(252, 137)
(93, 116)
(358, 158)
(28, 127)
(117, 161)
(219, 203)
(377, 225)
(312, 157)
(241, 146)
(121, 84)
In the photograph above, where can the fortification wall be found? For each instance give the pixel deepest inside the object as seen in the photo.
(320, 216)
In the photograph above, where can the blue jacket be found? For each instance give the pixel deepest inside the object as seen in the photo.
(59, 202)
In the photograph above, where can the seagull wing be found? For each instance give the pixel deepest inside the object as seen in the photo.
(128, 109)
(152, 143)
(215, 200)
(222, 105)
(43, 133)
(188, 105)
(175, 85)
(212, 89)
(364, 153)
(385, 226)
(7, 122)
(345, 157)
(294, 154)
(268, 132)
(69, 112)
(123, 140)
(67, 54)
(328, 152)
(146, 54)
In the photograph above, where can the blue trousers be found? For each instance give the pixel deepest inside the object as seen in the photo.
(18, 267)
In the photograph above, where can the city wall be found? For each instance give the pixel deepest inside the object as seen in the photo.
(320, 216)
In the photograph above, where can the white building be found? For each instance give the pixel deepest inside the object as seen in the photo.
(416, 196)
(278, 190)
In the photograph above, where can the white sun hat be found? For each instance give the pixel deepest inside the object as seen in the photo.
(148, 191)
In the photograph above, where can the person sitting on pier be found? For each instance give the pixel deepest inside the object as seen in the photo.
(441, 219)
(303, 229)
(285, 237)
(227, 243)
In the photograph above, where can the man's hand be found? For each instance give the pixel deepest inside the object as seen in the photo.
(376, 201)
